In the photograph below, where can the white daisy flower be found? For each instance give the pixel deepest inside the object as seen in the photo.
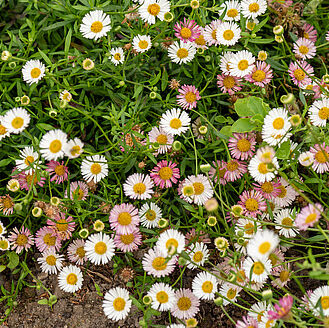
(319, 301)
(33, 71)
(16, 120)
(230, 293)
(116, 304)
(198, 254)
(94, 168)
(259, 170)
(225, 62)
(232, 8)
(287, 195)
(175, 121)
(258, 311)
(138, 186)
(99, 248)
(210, 32)
(3, 130)
(285, 219)
(253, 8)
(182, 52)
(141, 43)
(50, 262)
(186, 304)
(95, 25)
(155, 264)
(117, 56)
(52, 144)
(262, 244)
(150, 214)
(152, 9)
(70, 279)
(28, 160)
(241, 63)
(257, 271)
(204, 286)
(248, 227)
(276, 122)
(319, 112)
(65, 95)
(163, 296)
(164, 139)
(170, 238)
(73, 148)
(228, 33)
(3, 230)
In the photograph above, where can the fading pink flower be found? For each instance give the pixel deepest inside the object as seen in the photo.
(247, 322)
(63, 226)
(188, 96)
(304, 48)
(261, 74)
(309, 32)
(242, 145)
(194, 236)
(187, 30)
(268, 189)
(46, 238)
(253, 203)
(228, 83)
(26, 180)
(190, 301)
(124, 218)
(217, 171)
(76, 252)
(300, 73)
(20, 240)
(165, 174)
(308, 216)
(283, 309)
(6, 205)
(128, 242)
(78, 190)
(234, 170)
(58, 171)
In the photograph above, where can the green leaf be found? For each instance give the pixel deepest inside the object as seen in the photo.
(226, 130)
(284, 150)
(68, 42)
(56, 25)
(45, 57)
(44, 126)
(5, 162)
(13, 260)
(2, 268)
(243, 125)
(261, 40)
(164, 80)
(44, 301)
(137, 303)
(251, 106)
(52, 299)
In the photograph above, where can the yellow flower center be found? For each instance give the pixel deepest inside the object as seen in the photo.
(150, 215)
(287, 221)
(251, 204)
(127, 239)
(243, 64)
(254, 7)
(259, 75)
(188, 191)
(284, 275)
(228, 35)
(80, 252)
(21, 240)
(182, 53)
(243, 145)
(162, 297)
(231, 293)
(249, 228)
(240, 276)
(165, 173)
(49, 240)
(143, 44)
(324, 113)
(96, 27)
(124, 218)
(75, 150)
(184, 303)
(3, 130)
(62, 225)
(95, 168)
(325, 302)
(321, 156)
(117, 56)
(232, 13)
(139, 188)
(119, 304)
(7, 203)
(55, 146)
(60, 170)
(72, 279)
(162, 139)
(100, 248)
(171, 243)
(310, 218)
(278, 123)
(197, 257)
(78, 193)
(153, 9)
(262, 168)
(207, 287)
(51, 260)
(258, 268)
(175, 123)
(29, 160)
(283, 192)
(198, 188)
(190, 97)
(229, 82)
(303, 50)
(159, 263)
(4, 244)
(185, 33)
(214, 34)
(267, 187)
(200, 41)
(17, 122)
(35, 72)
(306, 35)
(232, 166)
(264, 247)
(299, 74)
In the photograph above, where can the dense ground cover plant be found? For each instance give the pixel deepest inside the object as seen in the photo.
(193, 131)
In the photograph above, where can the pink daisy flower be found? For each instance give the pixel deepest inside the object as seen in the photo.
(210, 32)
(321, 158)
(253, 203)
(234, 170)
(247, 322)
(165, 174)
(20, 240)
(200, 42)
(58, 171)
(300, 73)
(78, 190)
(164, 140)
(228, 83)
(194, 236)
(26, 180)
(128, 242)
(217, 171)
(76, 252)
(186, 304)
(268, 189)
(283, 275)
(315, 88)
(242, 145)
(261, 74)
(124, 218)
(62, 226)
(46, 238)
(309, 32)
(187, 30)
(282, 311)
(308, 216)
(304, 48)
(6, 205)
(188, 96)
(287, 194)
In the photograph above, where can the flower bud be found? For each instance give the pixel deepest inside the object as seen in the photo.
(52, 113)
(17, 99)
(176, 146)
(211, 205)
(18, 207)
(37, 212)
(200, 51)
(55, 201)
(168, 17)
(5, 55)
(99, 225)
(295, 120)
(182, 261)
(194, 4)
(122, 83)
(325, 78)
(207, 58)
(84, 233)
(147, 300)
(153, 95)
(163, 223)
(203, 129)
(279, 39)
(278, 30)
(288, 98)
(12, 65)
(267, 294)
(218, 301)
(25, 100)
(212, 221)
(205, 168)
